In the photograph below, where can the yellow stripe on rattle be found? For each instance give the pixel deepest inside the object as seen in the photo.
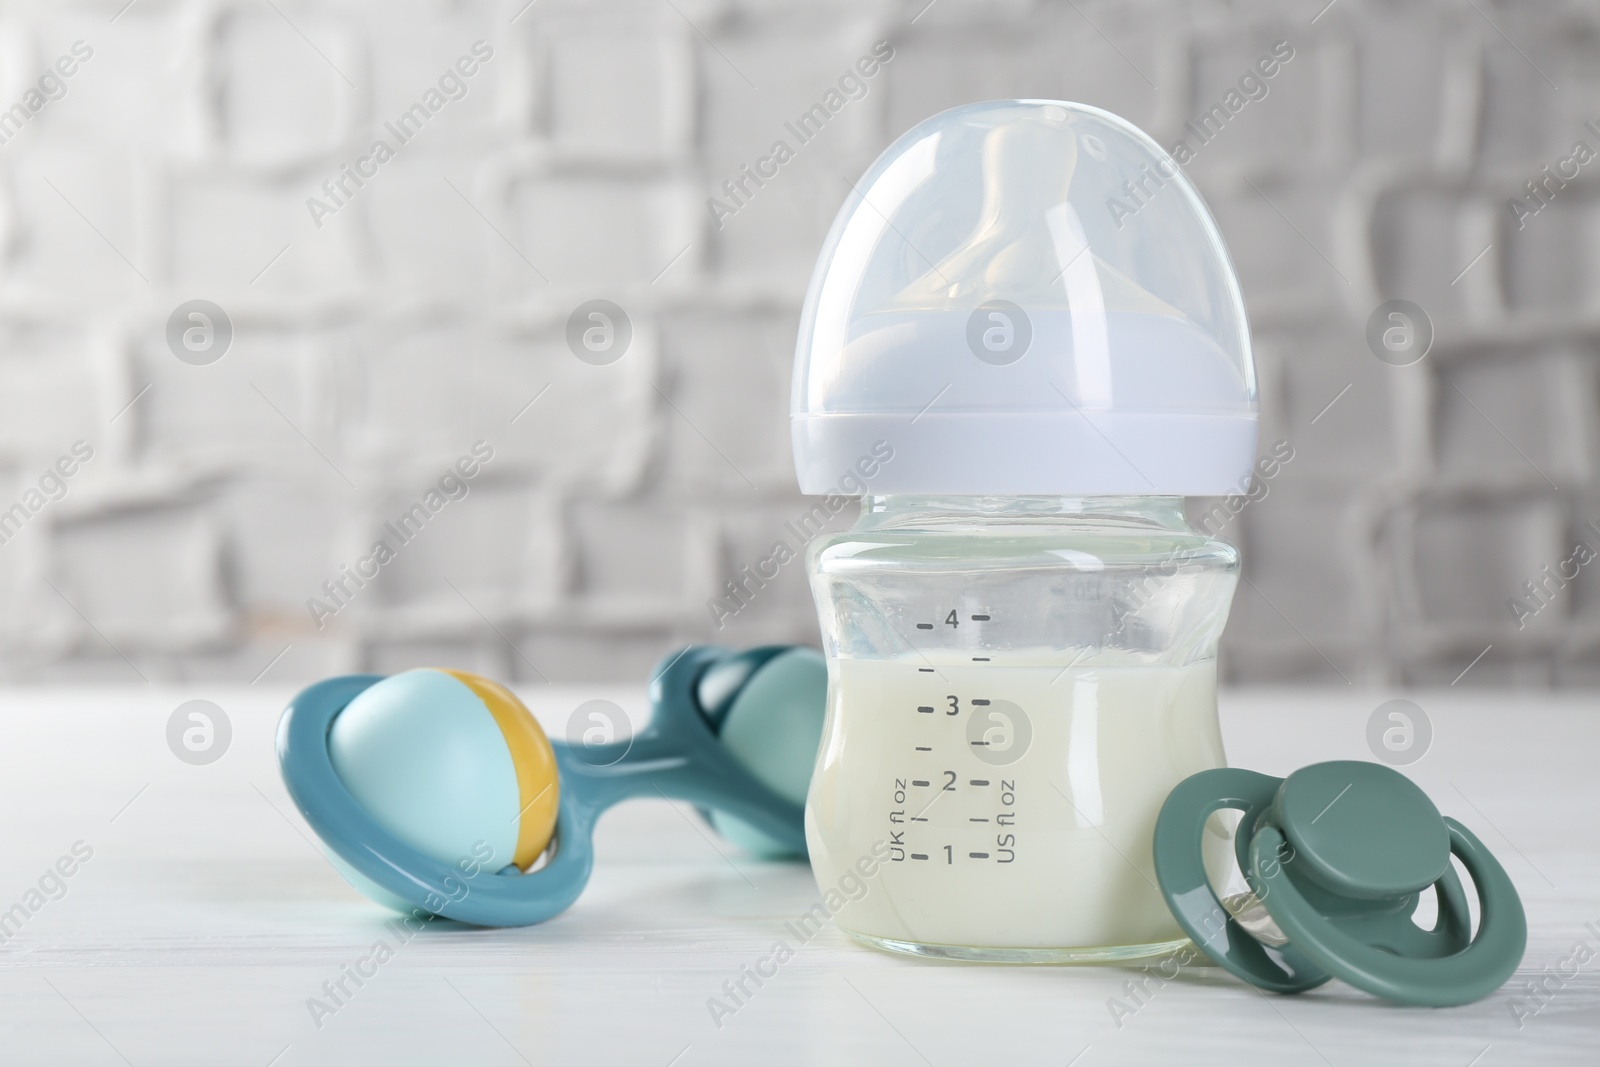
(538, 781)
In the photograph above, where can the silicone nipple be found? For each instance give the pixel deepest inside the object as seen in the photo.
(1029, 244)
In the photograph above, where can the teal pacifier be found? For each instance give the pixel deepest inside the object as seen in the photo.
(1337, 857)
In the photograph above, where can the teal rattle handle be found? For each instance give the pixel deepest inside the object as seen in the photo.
(677, 756)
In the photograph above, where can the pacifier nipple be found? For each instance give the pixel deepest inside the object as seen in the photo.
(1248, 911)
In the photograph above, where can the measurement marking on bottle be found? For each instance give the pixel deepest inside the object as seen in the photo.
(919, 818)
(980, 659)
(919, 855)
(977, 855)
(924, 748)
(980, 618)
(980, 702)
(924, 625)
(977, 820)
(919, 781)
(925, 710)
(980, 744)
(979, 781)
(924, 670)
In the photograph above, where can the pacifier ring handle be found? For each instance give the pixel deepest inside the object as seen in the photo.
(1180, 868)
(1471, 974)
(1399, 934)
(486, 899)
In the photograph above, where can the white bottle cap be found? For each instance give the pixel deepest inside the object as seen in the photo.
(1024, 297)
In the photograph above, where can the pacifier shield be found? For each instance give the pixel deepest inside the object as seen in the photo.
(1337, 854)
(1363, 830)
(1181, 871)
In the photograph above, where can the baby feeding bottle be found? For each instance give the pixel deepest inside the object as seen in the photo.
(1025, 345)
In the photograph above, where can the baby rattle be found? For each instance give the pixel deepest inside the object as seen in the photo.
(438, 790)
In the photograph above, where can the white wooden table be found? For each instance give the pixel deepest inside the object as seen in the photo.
(206, 918)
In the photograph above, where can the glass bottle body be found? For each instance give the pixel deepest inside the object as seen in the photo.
(1015, 684)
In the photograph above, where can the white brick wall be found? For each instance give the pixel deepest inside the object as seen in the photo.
(431, 308)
